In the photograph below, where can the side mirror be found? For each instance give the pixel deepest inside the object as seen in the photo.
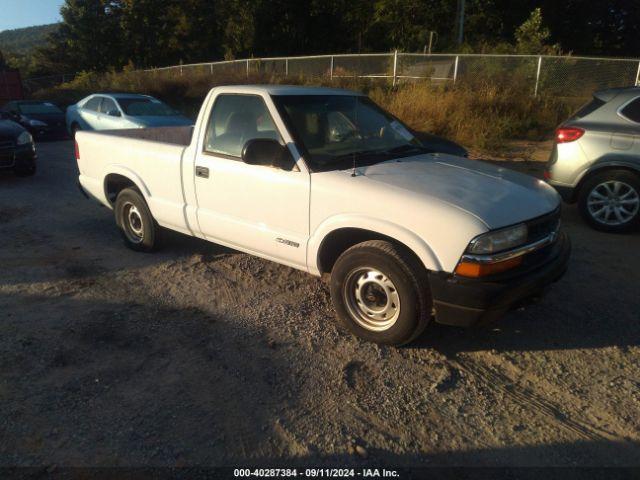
(113, 113)
(267, 152)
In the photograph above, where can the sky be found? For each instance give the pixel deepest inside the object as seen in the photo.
(26, 13)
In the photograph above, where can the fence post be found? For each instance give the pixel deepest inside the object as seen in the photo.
(211, 68)
(331, 68)
(395, 66)
(180, 67)
(638, 76)
(286, 67)
(535, 90)
(247, 68)
(455, 69)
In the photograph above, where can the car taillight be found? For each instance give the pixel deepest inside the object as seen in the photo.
(77, 151)
(568, 134)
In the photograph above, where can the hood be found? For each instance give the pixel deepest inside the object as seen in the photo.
(497, 196)
(174, 120)
(9, 130)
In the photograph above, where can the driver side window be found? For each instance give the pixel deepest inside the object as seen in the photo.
(108, 105)
(93, 104)
(234, 120)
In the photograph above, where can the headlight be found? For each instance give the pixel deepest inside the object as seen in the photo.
(499, 240)
(37, 123)
(24, 138)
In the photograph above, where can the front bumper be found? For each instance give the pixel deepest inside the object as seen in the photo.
(464, 301)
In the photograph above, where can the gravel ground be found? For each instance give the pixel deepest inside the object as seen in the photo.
(199, 355)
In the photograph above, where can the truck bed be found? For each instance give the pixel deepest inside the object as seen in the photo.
(171, 135)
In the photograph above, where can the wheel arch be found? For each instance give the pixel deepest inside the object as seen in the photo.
(603, 166)
(331, 240)
(120, 178)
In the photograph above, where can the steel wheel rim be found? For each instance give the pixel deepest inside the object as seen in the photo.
(133, 224)
(371, 298)
(613, 203)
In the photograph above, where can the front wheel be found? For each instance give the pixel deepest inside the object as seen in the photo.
(610, 201)
(137, 226)
(380, 292)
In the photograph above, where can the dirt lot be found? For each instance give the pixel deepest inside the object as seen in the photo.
(198, 355)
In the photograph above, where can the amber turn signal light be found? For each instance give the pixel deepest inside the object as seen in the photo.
(472, 269)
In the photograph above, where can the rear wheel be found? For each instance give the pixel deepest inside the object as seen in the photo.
(610, 201)
(380, 292)
(137, 226)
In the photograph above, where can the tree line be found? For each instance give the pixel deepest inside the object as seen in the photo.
(100, 35)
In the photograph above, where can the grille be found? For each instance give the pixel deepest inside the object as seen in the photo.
(6, 160)
(6, 145)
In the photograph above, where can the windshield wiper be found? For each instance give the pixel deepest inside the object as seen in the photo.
(407, 149)
(358, 155)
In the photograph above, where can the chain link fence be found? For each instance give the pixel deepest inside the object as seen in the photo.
(542, 75)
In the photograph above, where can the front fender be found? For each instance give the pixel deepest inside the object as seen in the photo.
(384, 227)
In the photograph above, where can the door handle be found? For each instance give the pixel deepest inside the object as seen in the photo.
(202, 172)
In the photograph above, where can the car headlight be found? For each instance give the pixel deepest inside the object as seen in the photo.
(24, 138)
(37, 123)
(499, 240)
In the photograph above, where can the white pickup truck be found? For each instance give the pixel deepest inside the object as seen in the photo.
(325, 181)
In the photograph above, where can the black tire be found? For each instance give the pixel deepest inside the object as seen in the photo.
(595, 185)
(74, 129)
(137, 226)
(356, 271)
(27, 170)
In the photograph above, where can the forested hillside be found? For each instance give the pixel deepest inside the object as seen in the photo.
(24, 40)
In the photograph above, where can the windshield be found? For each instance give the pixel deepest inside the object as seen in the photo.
(335, 130)
(145, 107)
(37, 108)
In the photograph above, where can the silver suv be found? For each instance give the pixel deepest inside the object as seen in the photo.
(596, 160)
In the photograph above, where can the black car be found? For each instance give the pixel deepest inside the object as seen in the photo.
(17, 151)
(43, 119)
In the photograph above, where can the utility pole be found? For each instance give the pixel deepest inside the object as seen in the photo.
(431, 35)
(460, 21)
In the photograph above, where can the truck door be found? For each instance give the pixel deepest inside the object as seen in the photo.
(260, 209)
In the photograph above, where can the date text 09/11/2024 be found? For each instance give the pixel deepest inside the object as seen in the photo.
(317, 472)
